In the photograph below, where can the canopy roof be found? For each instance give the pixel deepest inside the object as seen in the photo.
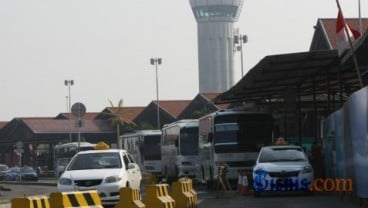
(322, 72)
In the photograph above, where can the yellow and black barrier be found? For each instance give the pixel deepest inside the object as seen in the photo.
(182, 196)
(189, 185)
(75, 199)
(194, 192)
(31, 202)
(157, 195)
(129, 198)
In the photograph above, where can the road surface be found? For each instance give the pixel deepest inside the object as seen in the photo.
(207, 199)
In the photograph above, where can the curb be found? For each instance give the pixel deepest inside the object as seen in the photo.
(40, 183)
(31, 183)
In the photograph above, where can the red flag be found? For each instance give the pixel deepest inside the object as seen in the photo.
(342, 41)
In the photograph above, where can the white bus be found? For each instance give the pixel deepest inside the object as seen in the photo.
(179, 149)
(144, 146)
(64, 152)
(232, 138)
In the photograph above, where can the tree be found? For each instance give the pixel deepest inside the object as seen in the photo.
(117, 120)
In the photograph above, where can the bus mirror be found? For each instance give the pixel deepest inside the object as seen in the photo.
(210, 137)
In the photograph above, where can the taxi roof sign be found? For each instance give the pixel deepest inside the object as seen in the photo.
(102, 146)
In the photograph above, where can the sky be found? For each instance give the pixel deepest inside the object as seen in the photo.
(105, 47)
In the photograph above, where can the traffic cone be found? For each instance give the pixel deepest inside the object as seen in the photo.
(245, 186)
(240, 180)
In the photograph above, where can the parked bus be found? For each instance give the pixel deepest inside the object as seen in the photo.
(64, 152)
(144, 146)
(232, 138)
(179, 149)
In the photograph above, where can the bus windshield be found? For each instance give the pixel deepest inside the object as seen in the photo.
(152, 148)
(189, 141)
(226, 133)
(242, 132)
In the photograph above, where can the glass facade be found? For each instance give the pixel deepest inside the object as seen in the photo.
(226, 11)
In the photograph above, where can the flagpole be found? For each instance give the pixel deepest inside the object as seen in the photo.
(351, 47)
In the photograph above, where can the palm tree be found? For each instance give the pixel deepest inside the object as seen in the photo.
(117, 120)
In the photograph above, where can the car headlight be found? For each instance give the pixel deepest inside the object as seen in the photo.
(307, 169)
(112, 179)
(65, 181)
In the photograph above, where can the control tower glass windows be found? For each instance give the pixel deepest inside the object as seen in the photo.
(227, 11)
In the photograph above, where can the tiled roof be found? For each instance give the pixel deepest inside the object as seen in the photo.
(3, 123)
(173, 107)
(49, 125)
(329, 27)
(128, 113)
(86, 116)
(211, 97)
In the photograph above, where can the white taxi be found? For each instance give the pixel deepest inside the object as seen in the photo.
(282, 168)
(103, 170)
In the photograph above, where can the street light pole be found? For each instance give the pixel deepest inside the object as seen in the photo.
(69, 83)
(156, 62)
(241, 57)
(240, 39)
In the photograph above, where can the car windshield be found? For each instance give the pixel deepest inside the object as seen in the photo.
(99, 160)
(14, 170)
(3, 167)
(282, 155)
(27, 170)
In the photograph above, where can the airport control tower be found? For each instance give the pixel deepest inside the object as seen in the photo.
(215, 19)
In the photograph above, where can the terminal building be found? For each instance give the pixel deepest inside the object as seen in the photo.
(215, 20)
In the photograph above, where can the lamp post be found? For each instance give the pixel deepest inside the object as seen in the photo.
(239, 40)
(69, 83)
(156, 62)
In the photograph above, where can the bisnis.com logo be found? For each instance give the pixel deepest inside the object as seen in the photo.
(262, 183)
(332, 184)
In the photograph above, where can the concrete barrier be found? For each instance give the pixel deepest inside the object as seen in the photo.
(31, 202)
(129, 198)
(189, 183)
(180, 193)
(75, 199)
(157, 195)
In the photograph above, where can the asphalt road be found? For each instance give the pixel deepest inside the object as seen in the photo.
(20, 190)
(208, 199)
(277, 200)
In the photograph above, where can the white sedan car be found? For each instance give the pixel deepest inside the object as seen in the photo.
(282, 168)
(103, 170)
